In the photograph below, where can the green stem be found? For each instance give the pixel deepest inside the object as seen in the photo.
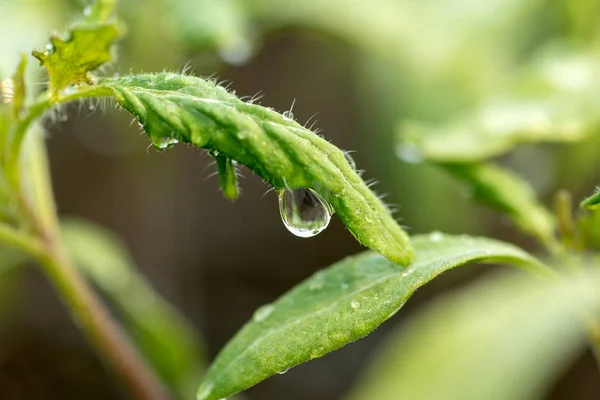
(46, 246)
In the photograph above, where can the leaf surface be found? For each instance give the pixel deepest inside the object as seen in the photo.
(339, 305)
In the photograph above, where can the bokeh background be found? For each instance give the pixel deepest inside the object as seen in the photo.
(364, 67)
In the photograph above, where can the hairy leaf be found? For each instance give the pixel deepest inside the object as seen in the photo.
(338, 305)
(553, 100)
(69, 61)
(592, 202)
(162, 333)
(505, 339)
(174, 108)
(502, 189)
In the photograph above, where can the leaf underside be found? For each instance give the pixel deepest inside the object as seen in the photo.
(339, 305)
(288, 156)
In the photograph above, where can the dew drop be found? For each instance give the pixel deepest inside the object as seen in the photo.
(263, 312)
(350, 160)
(409, 153)
(164, 142)
(304, 212)
(213, 152)
(283, 372)
(355, 304)
(288, 115)
(436, 236)
(49, 47)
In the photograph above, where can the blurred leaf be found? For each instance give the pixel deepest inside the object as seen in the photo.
(555, 99)
(467, 46)
(339, 305)
(165, 337)
(592, 202)
(177, 108)
(507, 338)
(506, 191)
(214, 23)
(69, 61)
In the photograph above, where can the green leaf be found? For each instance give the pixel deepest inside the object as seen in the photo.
(592, 202)
(504, 190)
(69, 61)
(508, 338)
(174, 108)
(339, 305)
(165, 337)
(227, 177)
(552, 100)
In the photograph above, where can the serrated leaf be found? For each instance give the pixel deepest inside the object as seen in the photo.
(339, 305)
(502, 189)
(188, 109)
(505, 339)
(69, 61)
(592, 202)
(553, 100)
(161, 332)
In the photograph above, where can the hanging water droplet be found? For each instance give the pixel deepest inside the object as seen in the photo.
(288, 115)
(164, 142)
(213, 152)
(49, 47)
(263, 312)
(92, 107)
(283, 372)
(304, 212)
(436, 236)
(350, 160)
(355, 304)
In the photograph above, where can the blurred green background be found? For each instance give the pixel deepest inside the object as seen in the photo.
(365, 67)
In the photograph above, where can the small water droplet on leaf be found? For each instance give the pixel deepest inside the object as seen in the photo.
(355, 304)
(288, 115)
(436, 236)
(304, 212)
(409, 153)
(263, 312)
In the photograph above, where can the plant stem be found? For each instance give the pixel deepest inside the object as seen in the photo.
(46, 246)
(95, 321)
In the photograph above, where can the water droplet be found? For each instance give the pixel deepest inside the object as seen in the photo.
(304, 212)
(355, 304)
(49, 47)
(263, 312)
(204, 391)
(165, 142)
(368, 218)
(87, 11)
(409, 153)
(350, 160)
(92, 107)
(288, 115)
(436, 236)
(213, 152)
(283, 372)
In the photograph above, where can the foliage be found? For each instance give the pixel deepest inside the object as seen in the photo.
(541, 315)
